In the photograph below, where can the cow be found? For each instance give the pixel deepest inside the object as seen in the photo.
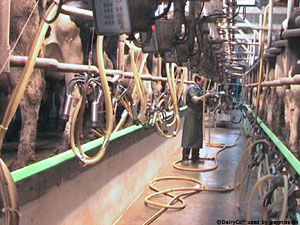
(30, 103)
(293, 93)
(71, 40)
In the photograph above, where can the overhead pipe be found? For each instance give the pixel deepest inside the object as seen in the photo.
(242, 43)
(73, 11)
(53, 64)
(250, 27)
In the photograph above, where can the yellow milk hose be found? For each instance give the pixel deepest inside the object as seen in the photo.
(261, 66)
(186, 191)
(9, 196)
(138, 83)
(87, 160)
(283, 200)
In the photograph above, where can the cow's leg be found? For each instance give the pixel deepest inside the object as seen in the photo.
(270, 109)
(29, 106)
(285, 130)
(293, 140)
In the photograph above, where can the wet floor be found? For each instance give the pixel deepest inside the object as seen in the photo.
(202, 208)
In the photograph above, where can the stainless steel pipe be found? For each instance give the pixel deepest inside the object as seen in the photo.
(281, 82)
(53, 64)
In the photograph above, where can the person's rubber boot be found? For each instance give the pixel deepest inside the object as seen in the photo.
(184, 162)
(195, 157)
(185, 157)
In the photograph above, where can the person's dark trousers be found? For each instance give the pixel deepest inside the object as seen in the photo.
(186, 153)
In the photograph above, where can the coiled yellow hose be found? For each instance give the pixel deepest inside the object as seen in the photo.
(187, 191)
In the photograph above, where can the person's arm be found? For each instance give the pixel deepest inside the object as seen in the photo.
(196, 99)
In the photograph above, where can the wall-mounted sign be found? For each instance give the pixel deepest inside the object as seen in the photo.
(245, 2)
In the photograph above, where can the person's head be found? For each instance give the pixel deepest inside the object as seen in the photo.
(199, 80)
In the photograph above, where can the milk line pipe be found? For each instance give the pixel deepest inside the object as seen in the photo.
(248, 27)
(281, 82)
(25, 77)
(73, 11)
(53, 64)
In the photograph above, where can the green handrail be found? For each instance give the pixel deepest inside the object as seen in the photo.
(37, 167)
(295, 163)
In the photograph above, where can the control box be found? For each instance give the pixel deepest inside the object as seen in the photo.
(161, 37)
(111, 17)
(115, 17)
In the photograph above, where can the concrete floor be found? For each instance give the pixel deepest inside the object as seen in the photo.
(204, 208)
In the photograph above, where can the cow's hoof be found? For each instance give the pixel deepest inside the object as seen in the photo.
(295, 152)
(60, 149)
(17, 163)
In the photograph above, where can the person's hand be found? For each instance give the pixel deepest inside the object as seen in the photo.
(208, 95)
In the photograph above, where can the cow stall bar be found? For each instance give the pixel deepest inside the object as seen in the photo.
(53, 64)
